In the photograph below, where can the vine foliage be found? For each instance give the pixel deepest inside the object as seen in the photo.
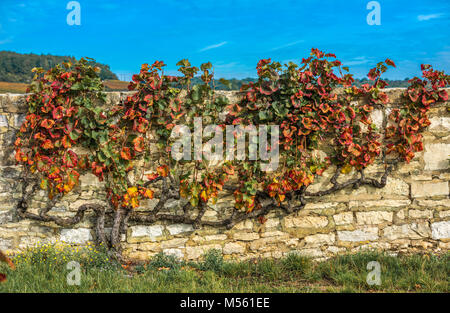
(325, 123)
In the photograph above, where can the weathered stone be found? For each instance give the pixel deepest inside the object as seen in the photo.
(246, 236)
(147, 232)
(5, 244)
(312, 253)
(411, 231)
(373, 217)
(343, 218)
(193, 253)
(233, 248)
(422, 244)
(272, 222)
(174, 252)
(379, 203)
(420, 213)
(366, 234)
(244, 225)
(394, 186)
(429, 189)
(265, 243)
(439, 124)
(76, 236)
(3, 120)
(173, 243)
(176, 229)
(6, 217)
(319, 239)
(436, 156)
(401, 214)
(320, 205)
(306, 221)
(377, 118)
(440, 230)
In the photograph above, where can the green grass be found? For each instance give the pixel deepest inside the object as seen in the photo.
(43, 269)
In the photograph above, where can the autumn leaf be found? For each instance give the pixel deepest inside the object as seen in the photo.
(152, 176)
(204, 196)
(70, 159)
(132, 191)
(48, 144)
(346, 169)
(138, 144)
(46, 123)
(390, 62)
(149, 193)
(125, 153)
(163, 170)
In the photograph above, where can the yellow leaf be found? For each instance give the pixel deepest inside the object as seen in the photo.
(132, 191)
(346, 169)
(149, 193)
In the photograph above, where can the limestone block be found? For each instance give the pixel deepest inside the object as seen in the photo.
(146, 232)
(320, 239)
(373, 217)
(440, 230)
(429, 189)
(343, 218)
(306, 221)
(421, 214)
(409, 231)
(436, 156)
(76, 236)
(366, 234)
(233, 248)
(176, 229)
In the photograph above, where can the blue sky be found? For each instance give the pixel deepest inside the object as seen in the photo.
(232, 34)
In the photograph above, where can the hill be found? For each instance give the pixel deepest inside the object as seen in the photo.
(16, 67)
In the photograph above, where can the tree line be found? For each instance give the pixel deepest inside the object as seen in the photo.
(16, 67)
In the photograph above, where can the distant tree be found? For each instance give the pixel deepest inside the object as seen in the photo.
(16, 67)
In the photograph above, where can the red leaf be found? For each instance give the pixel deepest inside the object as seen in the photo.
(47, 123)
(70, 159)
(138, 144)
(390, 62)
(58, 112)
(163, 170)
(47, 144)
(125, 153)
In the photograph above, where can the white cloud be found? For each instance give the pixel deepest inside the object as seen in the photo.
(213, 46)
(287, 45)
(8, 40)
(356, 61)
(422, 18)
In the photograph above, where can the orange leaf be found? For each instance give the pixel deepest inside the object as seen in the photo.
(149, 193)
(47, 144)
(125, 153)
(152, 176)
(163, 170)
(138, 144)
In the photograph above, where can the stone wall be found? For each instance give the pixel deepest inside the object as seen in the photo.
(411, 214)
